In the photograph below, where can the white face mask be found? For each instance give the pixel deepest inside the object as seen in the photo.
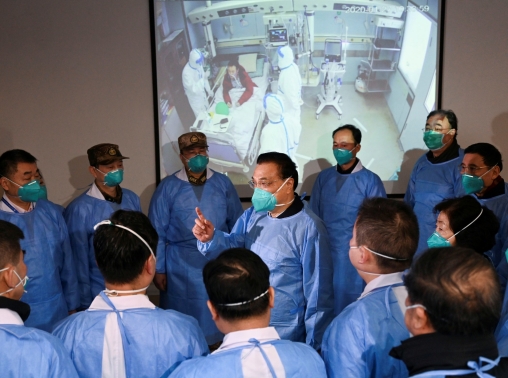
(21, 282)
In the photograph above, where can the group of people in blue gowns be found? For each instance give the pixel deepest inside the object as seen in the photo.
(321, 297)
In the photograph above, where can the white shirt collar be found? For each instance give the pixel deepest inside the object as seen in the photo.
(95, 192)
(126, 302)
(381, 281)
(183, 176)
(241, 338)
(20, 210)
(10, 317)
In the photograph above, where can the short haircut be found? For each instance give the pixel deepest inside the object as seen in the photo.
(459, 289)
(481, 234)
(237, 275)
(389, 227)
(10, 236)
(287, 167)
(120, 255)
(490, 154)
(9, 161)
(450, 116)
(357, 134)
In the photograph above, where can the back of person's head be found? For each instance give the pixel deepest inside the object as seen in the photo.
(121, 255)
(9, 161)
(388, 227)
(490, 154)
(357, 134)
(480, 234)
(10, 236)
(450, 116)
(459, 289)
(287, 167)
(236, 276)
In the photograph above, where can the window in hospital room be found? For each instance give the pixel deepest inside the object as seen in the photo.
(219, 71)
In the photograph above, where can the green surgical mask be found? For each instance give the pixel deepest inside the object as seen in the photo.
(434, 140)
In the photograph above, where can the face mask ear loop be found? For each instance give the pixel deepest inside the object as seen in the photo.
(474, 220)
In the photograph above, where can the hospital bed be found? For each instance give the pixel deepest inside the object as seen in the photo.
(233, 140)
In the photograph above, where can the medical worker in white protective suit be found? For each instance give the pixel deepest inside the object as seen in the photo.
(279, 134)
(122, 334)
(195, 82)
(26, 352)
(240, 301)
(290, 86)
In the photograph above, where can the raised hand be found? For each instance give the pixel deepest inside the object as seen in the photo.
(203, 229)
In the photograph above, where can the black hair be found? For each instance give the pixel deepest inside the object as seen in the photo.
(450, 116)
(287, 167)
(10, 236)
(9, 161)
(357, 134)
(490, 154)
(389, 227)
(120, 255)
(481, 234)
(234, 63)
(459, 288)
(237, 275)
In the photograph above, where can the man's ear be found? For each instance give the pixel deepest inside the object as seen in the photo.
(4, 183)
(150, 265)
(420, 322)
(92, 171)
(213, 310)
(271, 297)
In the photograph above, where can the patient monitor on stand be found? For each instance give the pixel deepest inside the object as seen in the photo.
(332, 72)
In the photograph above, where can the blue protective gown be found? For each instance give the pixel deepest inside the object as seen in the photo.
(81, 215)
(156, 339)
(499, 206)
(299, 360)
(335, 199)
(172, 212)
(502, 336)
(31, 353)
(429, 185)
(358, 341)
(297, 252)
(52, 290)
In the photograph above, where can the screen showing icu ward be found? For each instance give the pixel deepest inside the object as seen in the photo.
(282, 75)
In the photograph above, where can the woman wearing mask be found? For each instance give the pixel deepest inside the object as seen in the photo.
(464, 222)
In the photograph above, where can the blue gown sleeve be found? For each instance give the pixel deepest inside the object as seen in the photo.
(409, 197)
(315, 197)
(377, 189)
(222, 241)
(317, 287)
(68, 276)
(79, 239)
(342, 348)
(61, 363)
(159, 214)
(235, 209)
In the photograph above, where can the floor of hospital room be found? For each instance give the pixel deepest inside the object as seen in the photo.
(380, 150)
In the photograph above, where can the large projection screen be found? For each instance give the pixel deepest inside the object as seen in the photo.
(385, 84)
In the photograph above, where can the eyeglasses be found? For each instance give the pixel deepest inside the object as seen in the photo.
(472, 169)
(436, 128)
(261, 184)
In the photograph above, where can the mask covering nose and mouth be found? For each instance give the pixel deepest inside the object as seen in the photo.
(29, 192)
(473, 184)
(343, 156)
(198, 163)
(263, 200)
(112, 178)
(434, 140)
